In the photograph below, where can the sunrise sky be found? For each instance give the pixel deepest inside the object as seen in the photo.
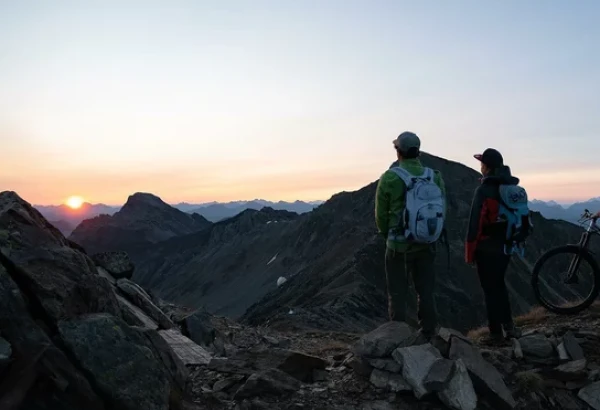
(291, 99)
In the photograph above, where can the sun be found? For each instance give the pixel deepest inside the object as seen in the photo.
(74, 202)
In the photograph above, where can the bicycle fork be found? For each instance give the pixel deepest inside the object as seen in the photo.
(572, 277)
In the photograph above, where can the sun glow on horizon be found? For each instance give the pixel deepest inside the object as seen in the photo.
(74, 202)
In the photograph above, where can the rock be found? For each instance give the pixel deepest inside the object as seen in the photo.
(172, 364)
(485, 377)
(591, 395)
(103, 273)
(389, 365)
(359, 365)
(116, 264)
(296, 364)
(5, 353)
(227, 383)
(439, 374)
(387, 380)
(198, 327)
(268, 382)
(416, 362)
(572, 347)
(134, 316)
(570, 371)
(536, 345)
(141, 299)
(382, 341)
(56, 274)
(29, 341)
(122, 368)
(320, 375)
(459, 393)
(517, 350)
(563, 356)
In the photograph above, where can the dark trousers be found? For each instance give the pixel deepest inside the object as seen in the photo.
(420, 266)
(491, 268)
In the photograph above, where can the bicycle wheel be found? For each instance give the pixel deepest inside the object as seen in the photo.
(551, 284)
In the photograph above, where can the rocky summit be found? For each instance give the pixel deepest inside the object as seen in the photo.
(144, 220)
(76, 332)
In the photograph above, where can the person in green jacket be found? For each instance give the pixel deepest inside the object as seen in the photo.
(403, 256)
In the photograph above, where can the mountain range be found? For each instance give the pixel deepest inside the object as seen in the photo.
(66, 219)
(332, 258)
(571, 213)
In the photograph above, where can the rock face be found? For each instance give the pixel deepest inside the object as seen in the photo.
(333, 260)
(144, 220)
(128, 374)
(67, 332)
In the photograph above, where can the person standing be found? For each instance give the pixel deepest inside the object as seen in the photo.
(410, 241)
(485, 243)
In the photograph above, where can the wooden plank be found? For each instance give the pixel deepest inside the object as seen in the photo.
(188, 351)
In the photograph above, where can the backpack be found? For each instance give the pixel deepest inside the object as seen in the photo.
(423, 215)
(514, 209)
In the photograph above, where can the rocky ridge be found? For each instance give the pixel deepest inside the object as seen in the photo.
(76, 332)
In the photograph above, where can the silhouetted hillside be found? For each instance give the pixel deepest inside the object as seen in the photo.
(144, 219)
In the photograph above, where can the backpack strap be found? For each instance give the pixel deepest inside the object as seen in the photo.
(408, 178)
(403, 174)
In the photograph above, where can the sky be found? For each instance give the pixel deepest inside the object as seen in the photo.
(291, 99)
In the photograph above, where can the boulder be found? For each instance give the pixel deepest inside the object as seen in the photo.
(459, 393)
(572, 347)
(387, 380)
(198, 327)
(117, 264)
(389, 365)
(485, 377)
(248, 361)
(268, 382)
(439, 374)
(172, 364)
(32, 347)
(591, 395)
(570, 371)
(48, 268)
(416, 363)
(116, 357)
(382, 341)
(141, 299)
(536, 345)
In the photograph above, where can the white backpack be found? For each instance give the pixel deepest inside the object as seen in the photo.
(423, 216)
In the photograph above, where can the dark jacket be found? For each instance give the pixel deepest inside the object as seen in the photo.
(484, 232)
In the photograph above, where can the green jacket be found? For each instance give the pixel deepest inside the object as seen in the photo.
(390, 202)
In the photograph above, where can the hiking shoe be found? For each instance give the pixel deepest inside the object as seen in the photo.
(512, 331)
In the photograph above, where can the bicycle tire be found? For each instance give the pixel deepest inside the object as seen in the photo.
(539, 264)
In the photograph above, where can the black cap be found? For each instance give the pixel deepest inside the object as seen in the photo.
(491, 157)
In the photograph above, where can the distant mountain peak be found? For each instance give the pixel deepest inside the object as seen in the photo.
(145, 199)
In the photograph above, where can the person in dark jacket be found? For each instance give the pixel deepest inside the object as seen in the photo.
(485, 244)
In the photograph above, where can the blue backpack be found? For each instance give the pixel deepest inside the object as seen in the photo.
(514, 209)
